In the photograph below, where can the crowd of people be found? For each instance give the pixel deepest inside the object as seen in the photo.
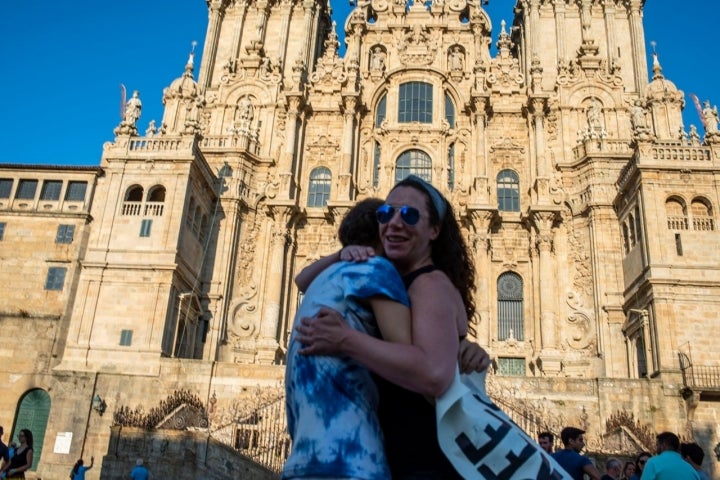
(673, 461)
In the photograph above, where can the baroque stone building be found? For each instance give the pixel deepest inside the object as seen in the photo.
(590, 211)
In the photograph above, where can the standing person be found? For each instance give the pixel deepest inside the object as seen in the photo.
(4, 451)
(694, 455)
(640, 462)
(139, 472)
(23, 458)
(570, 459)
(668, 464)
(421, 237)
(332, 401)
(613, 469)
(546, 440)
(628, 470)
(79, 469)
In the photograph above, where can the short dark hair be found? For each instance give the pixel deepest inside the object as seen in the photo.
(670, 440)
(570, 433)
(693, 451)
(359, 226)
(547, 435)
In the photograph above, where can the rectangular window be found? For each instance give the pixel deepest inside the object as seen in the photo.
(2, 230)
(511, 367)
(5, 187)
(51, 190)
(145, 228)
(415, 102)
(126, 338)
(65, 234)
(76, 191)
(678, 245)
(26, 189)
(55, 278)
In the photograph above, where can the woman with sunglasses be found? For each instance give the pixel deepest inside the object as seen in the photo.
(640, 462)
(421, 237)
(23, 458)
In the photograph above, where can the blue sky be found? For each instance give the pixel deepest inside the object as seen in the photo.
(64, 62)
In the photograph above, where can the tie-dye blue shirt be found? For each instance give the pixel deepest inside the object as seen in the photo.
(332, 400)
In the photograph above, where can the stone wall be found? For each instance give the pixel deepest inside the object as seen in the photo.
(177, 455)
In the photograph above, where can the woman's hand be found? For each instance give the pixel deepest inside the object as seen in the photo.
(472, 357)
(356, 253)
(322, 334)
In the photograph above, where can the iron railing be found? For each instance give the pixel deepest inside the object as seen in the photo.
(699, 377)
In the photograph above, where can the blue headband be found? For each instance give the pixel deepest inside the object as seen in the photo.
(436, 197)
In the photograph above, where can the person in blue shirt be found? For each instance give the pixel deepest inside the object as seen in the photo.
(694, 455)
(139, 472)
(668, 464)
(79, 469)
(570, 459)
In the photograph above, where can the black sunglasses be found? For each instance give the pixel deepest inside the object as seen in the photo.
(409, 215)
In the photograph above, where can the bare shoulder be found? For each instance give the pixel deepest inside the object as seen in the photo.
(434, 287)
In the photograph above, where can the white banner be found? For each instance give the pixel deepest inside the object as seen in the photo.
(482, 442)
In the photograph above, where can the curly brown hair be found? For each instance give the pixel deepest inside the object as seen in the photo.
(450, 253)
(359, 226)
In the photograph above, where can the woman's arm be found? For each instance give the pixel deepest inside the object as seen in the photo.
(28, 463)
(427, 366)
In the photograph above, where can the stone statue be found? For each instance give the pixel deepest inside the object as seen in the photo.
(377, 61)
(710, 118)
(593, 116)
(694, 136)
(132, 109)
(245, 110)
(457, 59)
(151, 130)
(639, 118)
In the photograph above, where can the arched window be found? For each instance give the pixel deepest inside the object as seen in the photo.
(413, 162)
(702, 215)
(133, 201)
(631, 230)
(190, 213)
(449, 110)
(626, 237)
(415, 103)
(156, 194)
(508, 191)
(134, 194)
(510, 307)
(32, 414)
(676, 214)
(155, 201)
(380, 111)
(319, 188)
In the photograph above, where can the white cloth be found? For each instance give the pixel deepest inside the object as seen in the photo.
(482, 442)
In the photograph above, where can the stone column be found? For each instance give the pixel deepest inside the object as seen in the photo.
(480, 244)
(481, 154)
(560, 29)
(217, 11)
(550, 356)
(268, 344)
(533, 32)
(285, 167)
(611, 32)
(310, 7)
(345, 171)
(237, 32)
(637, 42)
(262, 7)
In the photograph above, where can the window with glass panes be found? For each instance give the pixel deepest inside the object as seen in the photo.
(65, 234)
(2, 230)
(413, 162)
(510, 307)
(511, 367)
(449, 110)
(55, 278)
(415, 103)
(319, 187)
(451, 167)
(508, 191)
(51, 190)
(376, 165)
(6, 185)
(380, 111)
(76, 191)
(26, 189)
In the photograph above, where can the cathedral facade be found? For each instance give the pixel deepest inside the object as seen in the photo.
(591, 213)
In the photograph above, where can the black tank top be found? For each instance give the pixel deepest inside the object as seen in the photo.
(408, 423)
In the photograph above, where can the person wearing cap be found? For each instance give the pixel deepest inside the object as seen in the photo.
(421, 237)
